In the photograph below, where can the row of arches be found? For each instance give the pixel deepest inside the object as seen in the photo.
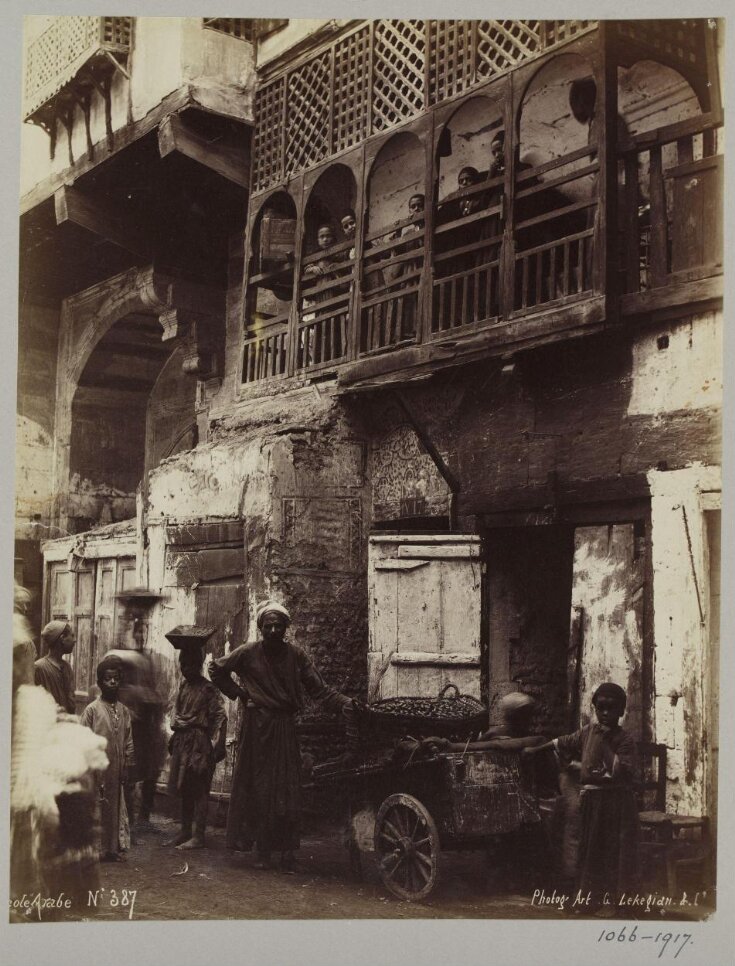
(366, 226)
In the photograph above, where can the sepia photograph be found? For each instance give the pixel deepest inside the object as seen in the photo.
(368, 472)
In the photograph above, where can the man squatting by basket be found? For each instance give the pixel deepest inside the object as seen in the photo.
(274, 674)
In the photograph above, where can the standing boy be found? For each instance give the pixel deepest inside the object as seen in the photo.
(110, 718)
(199, 730)
(51, 671)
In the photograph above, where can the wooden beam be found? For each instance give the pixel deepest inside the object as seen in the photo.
(79, 209)
(231, 162)
(687, 294)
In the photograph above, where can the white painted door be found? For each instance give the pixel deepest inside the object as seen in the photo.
(607, 616)
(424, 614)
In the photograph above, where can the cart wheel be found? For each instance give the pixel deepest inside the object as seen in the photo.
(406, 847)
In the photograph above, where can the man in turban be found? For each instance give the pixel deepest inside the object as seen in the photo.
(275, 675)
(52, 672)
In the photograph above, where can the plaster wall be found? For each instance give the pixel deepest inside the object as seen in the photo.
(166, 54)
(681, 594)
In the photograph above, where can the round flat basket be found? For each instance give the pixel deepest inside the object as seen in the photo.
(456, 716)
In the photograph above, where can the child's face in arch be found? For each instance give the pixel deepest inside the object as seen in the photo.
(325, 237)
(348, 226)
(608, 711)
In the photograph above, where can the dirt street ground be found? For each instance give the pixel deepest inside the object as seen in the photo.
(213, 884)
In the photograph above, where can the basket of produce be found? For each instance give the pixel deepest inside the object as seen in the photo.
(449, 715)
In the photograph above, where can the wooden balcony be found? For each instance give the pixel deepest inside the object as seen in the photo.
(72, 57)
(568, 230)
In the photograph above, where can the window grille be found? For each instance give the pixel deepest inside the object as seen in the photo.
(352, 89)
(308, 137)
(376, 76)
(398, 71)
(241, 27)
(502, 44)
(268, 142)
(451, 69)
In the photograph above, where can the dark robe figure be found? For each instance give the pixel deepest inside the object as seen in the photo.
(108, 717)
(601, 815)
(199, 726)
(266, 784)
(52, 672)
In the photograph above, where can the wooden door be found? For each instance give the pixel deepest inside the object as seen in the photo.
(86, 597)
(608, 595)
(424, 614)
(221, 604)
(82, 657)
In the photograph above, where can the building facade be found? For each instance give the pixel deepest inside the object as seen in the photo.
(414, 325)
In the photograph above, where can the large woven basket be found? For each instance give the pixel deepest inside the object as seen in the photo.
(457, 716)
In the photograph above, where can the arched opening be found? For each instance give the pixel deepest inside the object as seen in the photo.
(393, 251)
(661, 238)
(468, 228)
(327, 270)
(556, 182)
(115, 435)
(270, 288)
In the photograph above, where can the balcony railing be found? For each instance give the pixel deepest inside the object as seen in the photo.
(56, 57)
(471, 265)
(671, 184)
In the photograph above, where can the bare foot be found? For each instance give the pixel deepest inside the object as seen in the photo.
(177, 841)
(192, 843)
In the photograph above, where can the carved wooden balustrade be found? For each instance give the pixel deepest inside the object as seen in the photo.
(671, 183)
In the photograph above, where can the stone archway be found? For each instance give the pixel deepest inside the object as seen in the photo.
(115, 340)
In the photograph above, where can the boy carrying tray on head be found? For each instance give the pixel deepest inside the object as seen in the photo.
(199, 727)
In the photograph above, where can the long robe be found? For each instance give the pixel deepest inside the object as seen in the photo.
(58, 681)
(265, 799)
(602, 820)
(198, 725)
(119, 734)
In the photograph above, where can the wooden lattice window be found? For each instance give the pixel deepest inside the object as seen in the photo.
(398, 71)
(268, 146)
(352, 89)
(556, 31)
(116, 30)
(450, 58)
(244, 28)
(676, 41)
(503, 43)
(308, 130)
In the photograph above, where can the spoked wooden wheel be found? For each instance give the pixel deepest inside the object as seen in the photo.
(406, 847)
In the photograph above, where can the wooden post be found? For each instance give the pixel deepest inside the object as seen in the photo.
(659, 227)
(605, 256)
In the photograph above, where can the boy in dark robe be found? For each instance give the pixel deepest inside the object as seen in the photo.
(265, 800)
(604, 810)
(52, 672)
(108, 717)
(199, 730)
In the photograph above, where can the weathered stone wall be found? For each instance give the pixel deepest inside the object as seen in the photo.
(37, 348)
(598, 409)
(293, 472)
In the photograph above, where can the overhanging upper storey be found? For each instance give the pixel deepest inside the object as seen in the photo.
(71, 58)
(430, 192)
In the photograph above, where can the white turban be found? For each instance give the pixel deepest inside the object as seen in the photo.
(271, 607)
